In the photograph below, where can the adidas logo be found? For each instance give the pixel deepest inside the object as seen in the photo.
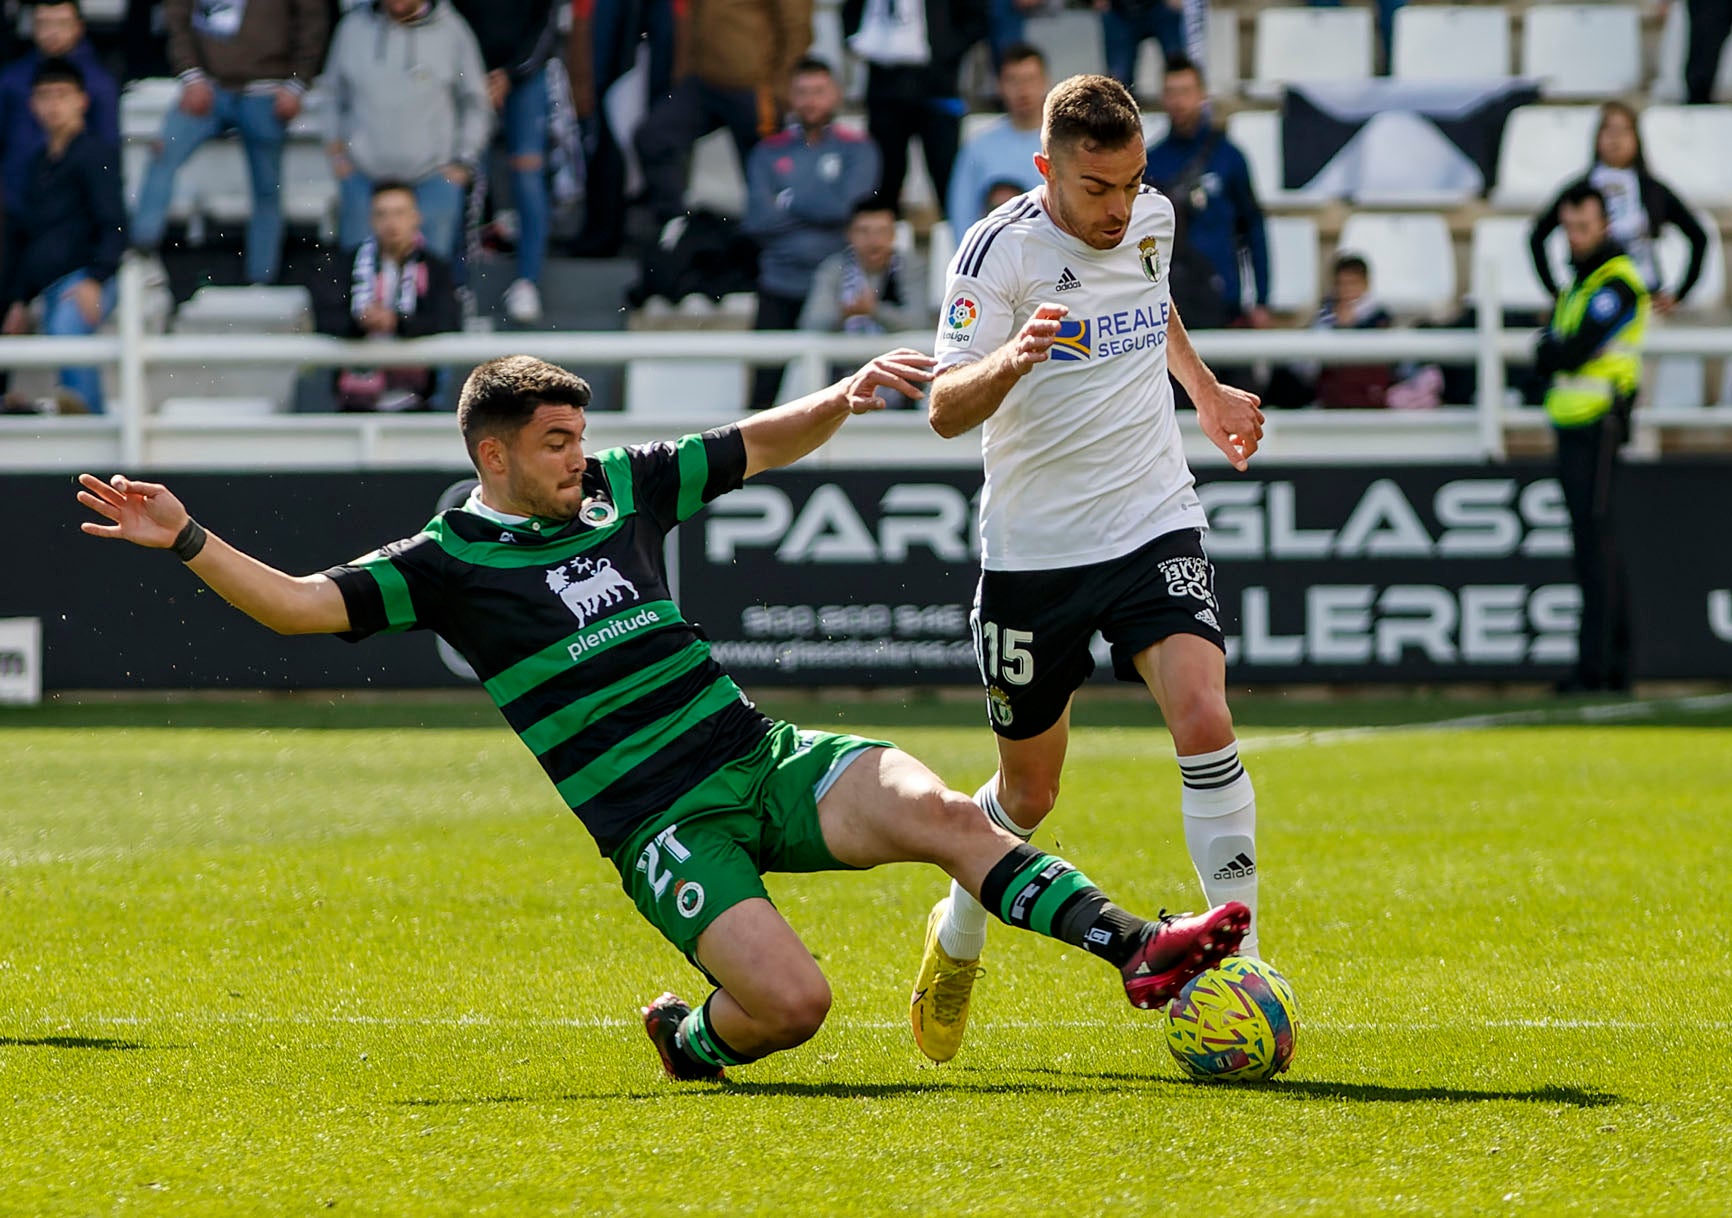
(1207, 617)
(1068, 282)
(1242, 867)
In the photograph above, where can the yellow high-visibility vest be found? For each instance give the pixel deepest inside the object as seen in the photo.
(1585, 395)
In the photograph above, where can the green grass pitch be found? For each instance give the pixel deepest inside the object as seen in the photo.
(294, 958)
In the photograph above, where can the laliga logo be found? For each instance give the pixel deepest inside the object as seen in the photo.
(963, 313)
(586, 586)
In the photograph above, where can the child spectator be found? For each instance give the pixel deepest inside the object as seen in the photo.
(63, 243)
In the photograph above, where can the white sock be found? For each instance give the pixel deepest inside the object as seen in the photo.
(1220, 810)
(962, 934)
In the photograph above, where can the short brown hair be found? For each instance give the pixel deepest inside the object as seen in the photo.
(502, 395)
(1095, 113)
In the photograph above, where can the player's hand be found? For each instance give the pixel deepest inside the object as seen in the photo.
(905, 370)
(1232, 420)
(1033, 343)
(144, 513)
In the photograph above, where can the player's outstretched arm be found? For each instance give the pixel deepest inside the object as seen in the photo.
(969, 394)
(147, 514)
(782, 436)
(1231, 418)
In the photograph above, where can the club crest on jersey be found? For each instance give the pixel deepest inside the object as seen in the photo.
(959, 318)
(1149, 253)
(1072, 342)
(587, 585)
(598, 513)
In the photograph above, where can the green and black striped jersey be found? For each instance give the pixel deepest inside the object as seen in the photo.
(571, 629)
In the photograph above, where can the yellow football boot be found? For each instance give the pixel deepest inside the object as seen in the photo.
(939, 1006)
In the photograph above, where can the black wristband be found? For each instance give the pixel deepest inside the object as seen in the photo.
(189, 541)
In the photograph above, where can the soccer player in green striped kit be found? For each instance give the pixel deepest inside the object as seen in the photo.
(551, 582)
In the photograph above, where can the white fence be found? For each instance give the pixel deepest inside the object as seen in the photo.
(133, 438)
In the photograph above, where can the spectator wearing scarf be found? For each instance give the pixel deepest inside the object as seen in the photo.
(394, 288)
(871, 287)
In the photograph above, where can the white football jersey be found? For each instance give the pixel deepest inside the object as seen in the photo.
(1084, 462)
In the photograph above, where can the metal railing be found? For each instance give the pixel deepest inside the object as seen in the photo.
(133, 437)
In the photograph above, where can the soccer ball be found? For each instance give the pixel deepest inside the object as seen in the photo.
(1237, 1021)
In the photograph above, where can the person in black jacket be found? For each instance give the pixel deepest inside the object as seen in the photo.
(911, 83)
(64, 242)
(517, 39)
(391, 288)
(1638, 206)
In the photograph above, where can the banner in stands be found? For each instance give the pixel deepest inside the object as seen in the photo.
(1388, 136)
(862, 577)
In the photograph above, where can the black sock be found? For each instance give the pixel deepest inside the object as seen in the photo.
(1043, 893)
(698, 1039)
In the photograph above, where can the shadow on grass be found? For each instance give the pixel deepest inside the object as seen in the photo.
(77, 1042)
(1063, 1083)
(817, 1091)
(1369, 1093)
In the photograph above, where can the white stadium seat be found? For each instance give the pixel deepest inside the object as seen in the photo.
(685, 387)
(1502, 241)
(1257, 134)
(717, 180)
(255, 309)
(1673, 255)
(235, 310)
(1293, 272)
(143, 104)
(1586, 50)
(1304, 44)
(1543, 147)
(1411, 256)
(1450, 42)
(1686, 148)
(1071, 40)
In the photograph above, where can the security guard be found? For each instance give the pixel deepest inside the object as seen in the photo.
(1591, 352)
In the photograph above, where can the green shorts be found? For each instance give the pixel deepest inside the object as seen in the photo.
(706, 854)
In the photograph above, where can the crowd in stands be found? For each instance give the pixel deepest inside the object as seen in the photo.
(422, 97)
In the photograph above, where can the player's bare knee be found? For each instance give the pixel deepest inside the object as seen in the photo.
(1201, 723)
(798, 1011)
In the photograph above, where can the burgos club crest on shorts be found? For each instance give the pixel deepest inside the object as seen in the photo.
(1149, 253)
(998, 706)
(959, 318)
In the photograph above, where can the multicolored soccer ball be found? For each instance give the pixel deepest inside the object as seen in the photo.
(1238, 1021)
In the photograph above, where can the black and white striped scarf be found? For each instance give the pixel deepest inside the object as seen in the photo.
(367, 281)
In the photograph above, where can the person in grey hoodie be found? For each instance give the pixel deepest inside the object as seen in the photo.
(411, 105)
(801, 187)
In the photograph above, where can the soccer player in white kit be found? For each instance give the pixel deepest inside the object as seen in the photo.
(1056, 337)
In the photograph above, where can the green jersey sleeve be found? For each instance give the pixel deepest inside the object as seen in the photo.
(672, 480)
(392, 589)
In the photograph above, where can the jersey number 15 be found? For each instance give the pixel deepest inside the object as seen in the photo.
(1003, 654)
